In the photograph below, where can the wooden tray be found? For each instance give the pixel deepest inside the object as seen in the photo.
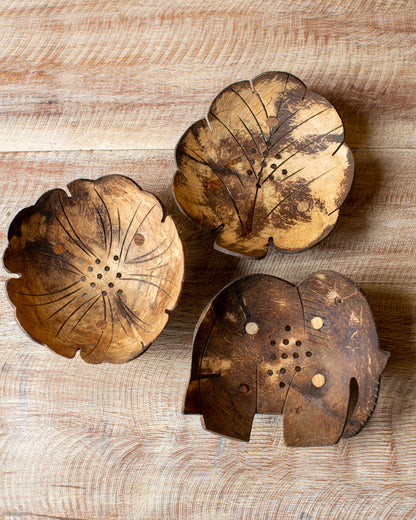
(99, 269)
(308, 352)
(268, 163)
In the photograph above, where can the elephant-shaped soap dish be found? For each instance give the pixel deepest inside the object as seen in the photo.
(309, 352)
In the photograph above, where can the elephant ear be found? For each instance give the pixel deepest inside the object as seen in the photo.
(335, 393)
(268, 162)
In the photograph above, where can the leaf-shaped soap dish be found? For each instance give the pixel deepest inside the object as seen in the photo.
(98, 269)
(269, 162)
(308, 352)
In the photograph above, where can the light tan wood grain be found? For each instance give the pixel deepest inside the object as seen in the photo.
(110, 442)
(109, 75)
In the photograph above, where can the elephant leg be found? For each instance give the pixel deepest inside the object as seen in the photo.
(316, 408)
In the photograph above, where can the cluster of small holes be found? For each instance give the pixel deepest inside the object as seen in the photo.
(100, 275)
(263, 163)
(285, 355)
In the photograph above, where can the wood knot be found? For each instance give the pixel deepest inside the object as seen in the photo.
(272, 121)
(139, 239)
(318, 380)
(252, 328)
(244, 389)
(303, 206)
(58, 249)
(317, 322)
(100, 324)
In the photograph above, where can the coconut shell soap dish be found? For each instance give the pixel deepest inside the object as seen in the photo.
(98, 269)
(308, 352)
(268, 163)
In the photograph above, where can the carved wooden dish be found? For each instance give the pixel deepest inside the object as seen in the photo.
(308, 352)
(98, 269)
(268, 163)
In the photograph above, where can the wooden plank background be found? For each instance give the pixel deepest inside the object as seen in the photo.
(93, 87)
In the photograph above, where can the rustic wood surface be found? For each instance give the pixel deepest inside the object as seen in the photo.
(309, 352)
(103, 81)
